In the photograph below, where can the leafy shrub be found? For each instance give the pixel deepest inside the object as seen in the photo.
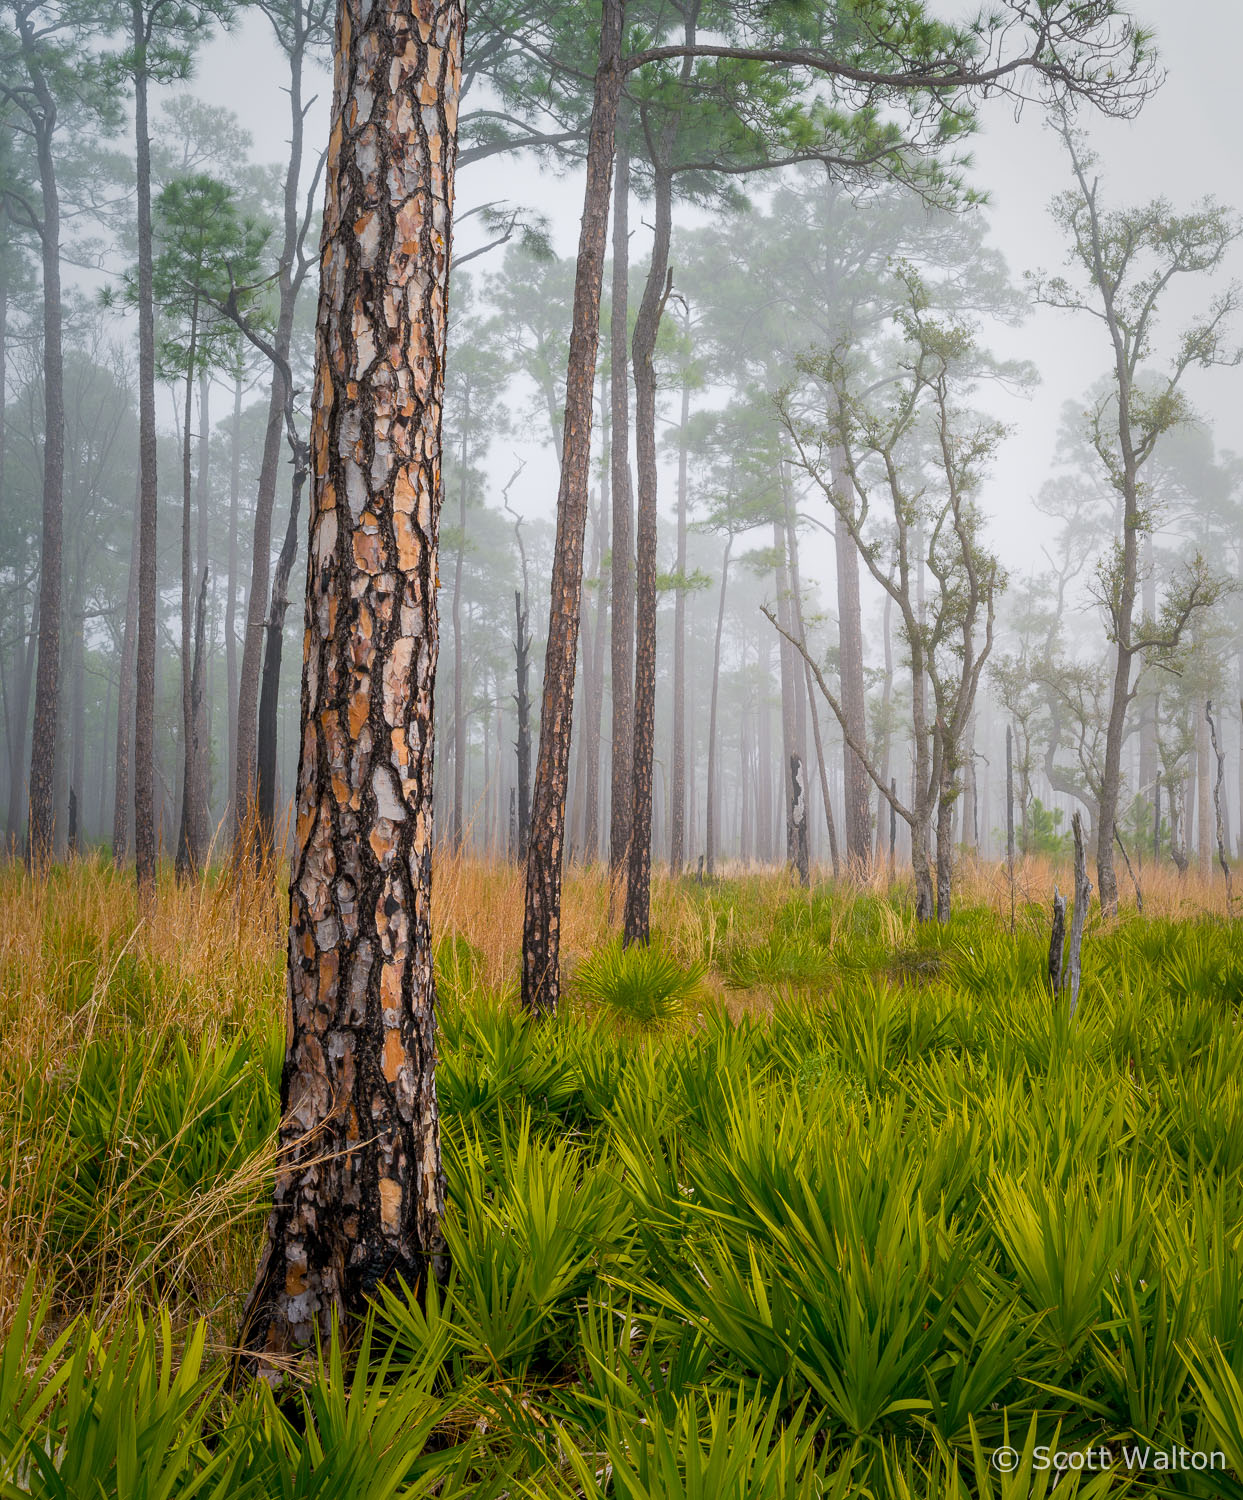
(643, 983)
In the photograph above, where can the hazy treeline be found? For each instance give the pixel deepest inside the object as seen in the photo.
(826, 422)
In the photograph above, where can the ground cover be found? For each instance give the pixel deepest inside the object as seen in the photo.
(809, 1200)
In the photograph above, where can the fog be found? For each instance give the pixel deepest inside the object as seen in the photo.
(1041, 492)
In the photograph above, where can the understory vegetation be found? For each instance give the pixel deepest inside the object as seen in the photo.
(805, 1200)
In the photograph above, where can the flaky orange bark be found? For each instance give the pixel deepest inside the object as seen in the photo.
(359, 1189)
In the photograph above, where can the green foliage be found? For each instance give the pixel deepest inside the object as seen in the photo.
(850, 1248)
(642, 984)
(1043, 835)
(149, 1138)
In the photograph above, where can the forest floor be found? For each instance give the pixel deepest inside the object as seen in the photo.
(805, 1200)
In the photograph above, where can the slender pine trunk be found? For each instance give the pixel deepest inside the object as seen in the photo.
(710, 822)
(636, 922)
(621, 635)
(541, 932)
(42, 814)
(148, 585)
(677, 790)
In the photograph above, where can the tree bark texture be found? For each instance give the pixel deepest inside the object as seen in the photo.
(541, 931)
(359, 1189)
(1083, 894)
(798, 820)
(1057, 942)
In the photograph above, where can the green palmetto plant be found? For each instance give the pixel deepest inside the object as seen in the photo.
(643, 984)
(722, 1446)
(532, 1225)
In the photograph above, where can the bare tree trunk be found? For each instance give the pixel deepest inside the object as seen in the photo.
(77, 722)
(1176, 791)
(125, 702)
(595, 696)
(148, 583)
(459, 710)
(1220, 756)
(21, 716)
(947, 794)
(621, 632)
(764, 831)
(187, 858)
(1204, 815)
(230, 595)
(710, 823)
(677, 797)
(636, 925)
(857, 790)
(202, 564)
(291, 270)
(522, 647)
(1057, 942)
(798, 820)
(360, 1189)
(789, 732)
(270, 684)
(1083, 894)
(541, 933)
(886, 728)
(42, 816)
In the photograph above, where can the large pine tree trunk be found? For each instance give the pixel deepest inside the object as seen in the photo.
(41, 827)
(360, 1190)
(541, 930)
(621, 624)
(148, 586)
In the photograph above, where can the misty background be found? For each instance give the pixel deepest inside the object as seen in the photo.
(517, 226)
